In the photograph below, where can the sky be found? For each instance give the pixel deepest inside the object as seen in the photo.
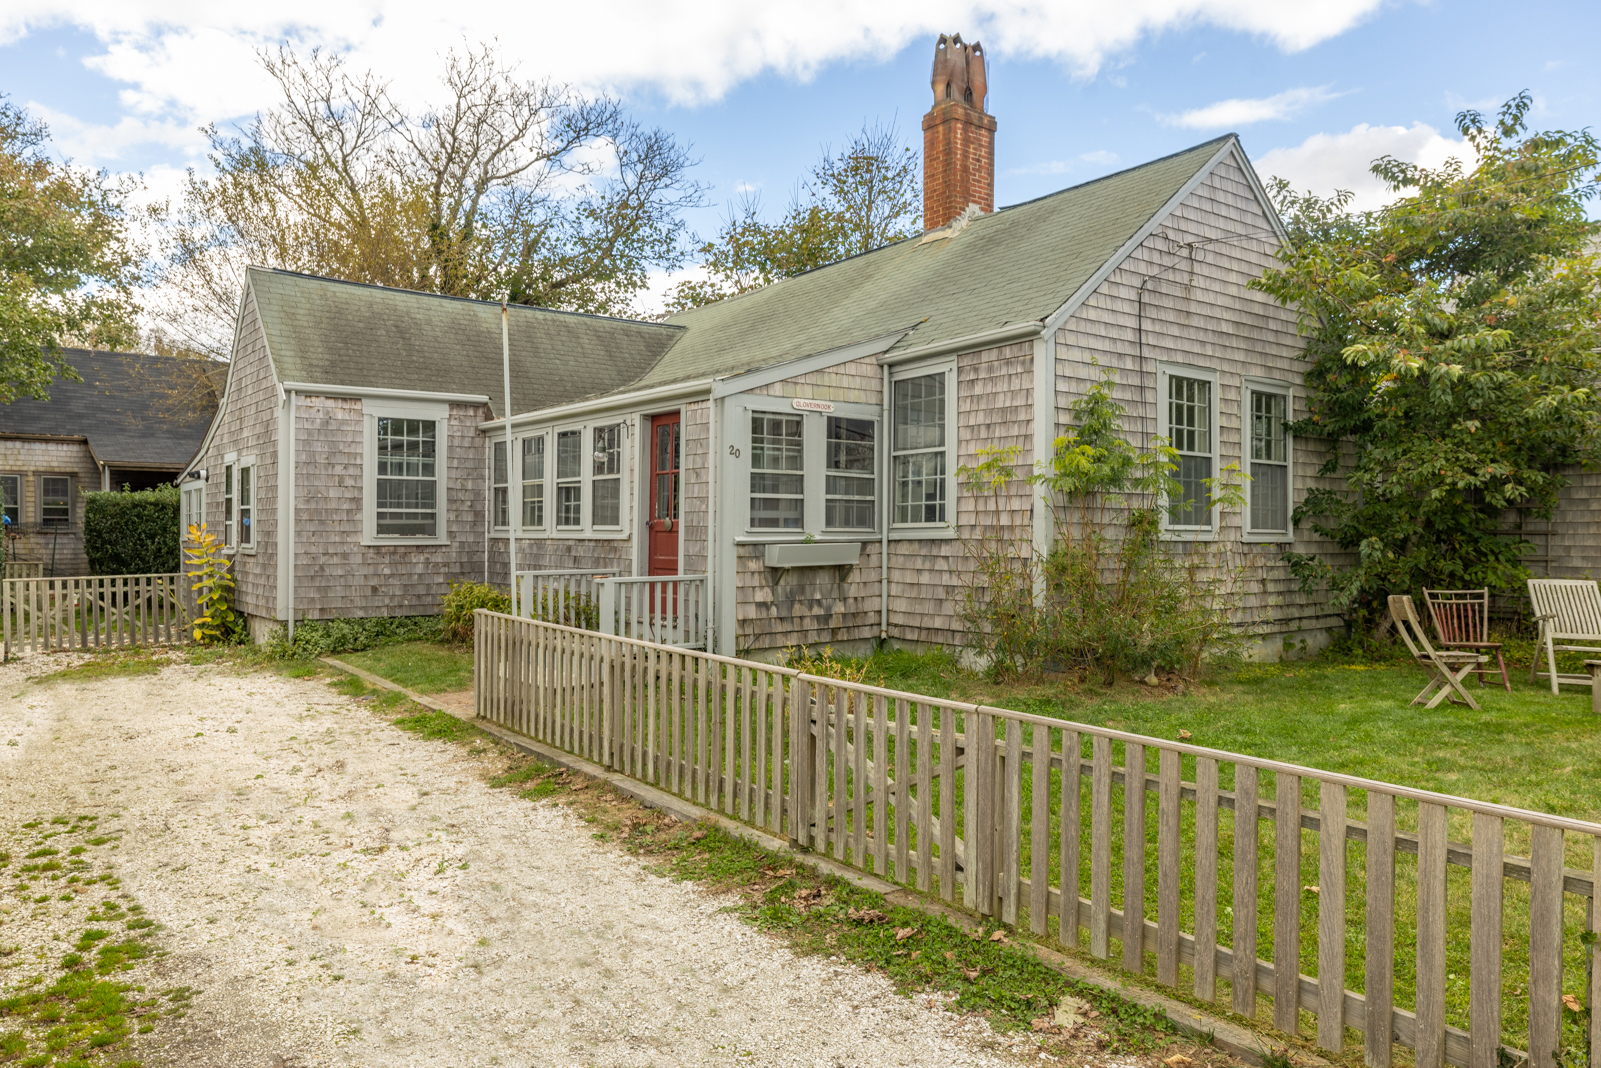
(1316, 89)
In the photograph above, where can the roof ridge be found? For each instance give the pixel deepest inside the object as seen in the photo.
(466, 300)
(1115, 174)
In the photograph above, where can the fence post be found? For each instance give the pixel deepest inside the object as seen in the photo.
(608, 606)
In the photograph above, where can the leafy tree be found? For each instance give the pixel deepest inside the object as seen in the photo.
(861, 199)
(68, 268)
(1453, 338)
(510, 187)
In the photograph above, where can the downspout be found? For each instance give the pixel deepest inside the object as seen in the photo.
(1041, 513)
(511, 522)
(883, 520)
(712, 461)
(288, 489)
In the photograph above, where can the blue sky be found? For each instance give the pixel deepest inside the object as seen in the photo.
(1315, 89)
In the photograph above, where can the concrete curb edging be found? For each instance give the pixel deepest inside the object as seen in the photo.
(1230, 1037)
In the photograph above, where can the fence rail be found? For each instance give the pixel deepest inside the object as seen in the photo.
(669, 609)
(1365, 912)
(15, 569)
(570, 597)
(93, 612)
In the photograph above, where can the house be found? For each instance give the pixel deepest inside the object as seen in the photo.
(793, 451)
(134, 421)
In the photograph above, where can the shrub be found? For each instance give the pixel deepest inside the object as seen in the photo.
(211, 577)
(463, 598)
(325, 637)
(132, 533)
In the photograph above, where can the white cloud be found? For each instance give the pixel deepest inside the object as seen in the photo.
(1099, 158)
(94, 144)
(1326, 162)
(195, 61)
(1243, 112)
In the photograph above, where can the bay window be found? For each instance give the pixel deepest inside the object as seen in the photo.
(573, 480)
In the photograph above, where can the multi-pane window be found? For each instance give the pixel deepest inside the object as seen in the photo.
(919, 452)
(1270, 463)
(1189, 428)
(501, 487)
(194, 507)
(607, 482)
(407, 484)
(55, 500)
(848, 489)
(570, 478)
(246, 506)
(668, 460)
(11, 500)
(227, 505)
(534, 481)
(777, 472)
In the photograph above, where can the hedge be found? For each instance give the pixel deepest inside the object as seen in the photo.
(325, 637)
(132, 533)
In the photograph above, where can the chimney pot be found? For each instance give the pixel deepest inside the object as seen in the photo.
(958, 137)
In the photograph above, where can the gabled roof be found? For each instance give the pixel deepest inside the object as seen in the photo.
(329, 332)
(134, 409)
(1016, 265)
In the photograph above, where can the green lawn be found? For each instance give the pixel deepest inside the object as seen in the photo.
(427, 667)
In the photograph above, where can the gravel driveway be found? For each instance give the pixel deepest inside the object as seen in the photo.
(341, 892)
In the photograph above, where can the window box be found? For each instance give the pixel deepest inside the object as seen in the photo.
(814, 554)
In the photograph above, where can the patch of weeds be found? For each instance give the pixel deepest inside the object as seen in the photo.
(106, 666)
(432, 724)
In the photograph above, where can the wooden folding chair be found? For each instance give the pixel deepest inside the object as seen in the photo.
(1447, 667)
(1567, 610)
(1462, 621)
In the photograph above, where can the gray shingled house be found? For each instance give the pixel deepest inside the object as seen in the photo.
(134, 420)
(789, 454)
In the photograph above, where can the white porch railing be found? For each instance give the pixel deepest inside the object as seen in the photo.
(667, 609)
(570, 597)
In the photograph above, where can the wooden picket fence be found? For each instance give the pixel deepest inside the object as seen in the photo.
(94, 612)
(1451, 927)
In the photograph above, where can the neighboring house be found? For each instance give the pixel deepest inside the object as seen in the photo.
(797, 445)
(134, 421)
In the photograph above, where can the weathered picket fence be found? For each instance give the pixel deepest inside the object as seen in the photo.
(94, 612)
(1448, 926)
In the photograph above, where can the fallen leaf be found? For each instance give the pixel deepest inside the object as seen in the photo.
(1311, 889)
(970, 973)
(1043, 1024)
(1094, 1014)
(695, 836)
(1070, 1013)
(916, 953)
(903, 933)
(950, 954)
(1178, 1060)
(998, 936)
(1572, 1003)
(1185, 735)
(866, 916)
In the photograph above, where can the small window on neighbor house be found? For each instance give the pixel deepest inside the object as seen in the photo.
(500, 480)
(246, 506)
(919, 449)
(1189, 428)
(777, 472)
(570, 478)
(848, 490)
(1269, 488)
(227, 506)
(607, 482)
(407, 484)
(534, 481)
(55, 500)
(11, 500)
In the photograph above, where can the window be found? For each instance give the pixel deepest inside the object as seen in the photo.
(777, 466)
(227, 506)
(848, 487)
(570, 479)
(1191, 432)
(407, 478)
(607, 480)
(246, 507)
(500, 480)
(921, 453)
(11, 500)
(55, 500)
(534, 481)
(194, 507)
(1269, 462)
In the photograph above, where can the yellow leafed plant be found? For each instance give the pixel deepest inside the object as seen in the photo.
(212, 580)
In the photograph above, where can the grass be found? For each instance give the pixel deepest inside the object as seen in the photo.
(426, 667)
(120, 664)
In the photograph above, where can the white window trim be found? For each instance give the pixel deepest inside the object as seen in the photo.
(230, 467)
(1249, 385)
(919, 531)
(627, 489)
(371, 412)
(192, 499)
(1163, 372)
(814, 443)
(496, 443)
(523, 527)
(72, 498)
(247, 463)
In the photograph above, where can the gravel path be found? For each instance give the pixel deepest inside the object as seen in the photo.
(344, 893)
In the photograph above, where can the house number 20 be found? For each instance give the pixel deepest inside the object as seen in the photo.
(733, 452)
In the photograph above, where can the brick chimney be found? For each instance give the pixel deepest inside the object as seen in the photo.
(958, 137)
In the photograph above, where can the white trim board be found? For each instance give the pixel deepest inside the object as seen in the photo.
(317, 389)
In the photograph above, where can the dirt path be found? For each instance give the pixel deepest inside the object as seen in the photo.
(341, 892)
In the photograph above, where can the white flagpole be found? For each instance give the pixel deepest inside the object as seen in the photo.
(511, 518)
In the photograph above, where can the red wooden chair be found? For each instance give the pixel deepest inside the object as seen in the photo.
(1462, 620)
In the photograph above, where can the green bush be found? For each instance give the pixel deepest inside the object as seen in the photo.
(325, 637)
(463, 598)
(132, 533)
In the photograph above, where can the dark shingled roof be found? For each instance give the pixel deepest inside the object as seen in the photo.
(124, 406)
(329, 332)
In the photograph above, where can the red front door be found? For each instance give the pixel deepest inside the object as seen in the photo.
(664, 454)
